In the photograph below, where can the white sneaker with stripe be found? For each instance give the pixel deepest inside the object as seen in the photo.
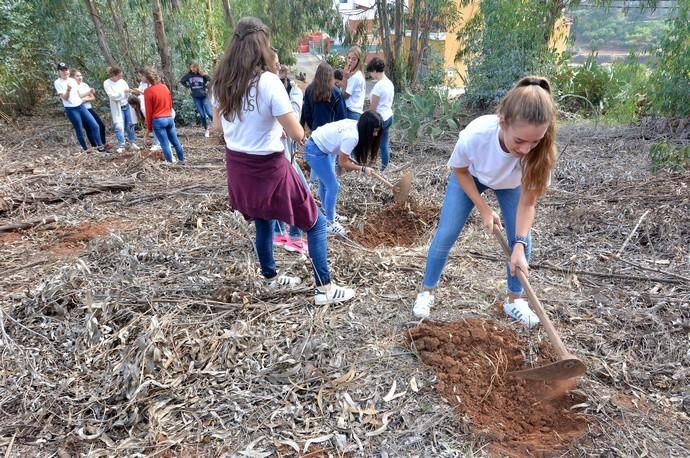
(332, 294)
(283, 281)
(519, 310)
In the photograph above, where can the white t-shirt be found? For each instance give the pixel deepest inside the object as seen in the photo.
(61, 87)
(259, 132)
(385, 90)
(83, 88)
(116, 90)
(479, 149)
(357, 90)
(334, 137)
(142, 87)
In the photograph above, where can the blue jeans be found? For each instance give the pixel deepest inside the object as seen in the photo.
(128, 126)
(295, 232)
(101, 128)
(316, 240)
(80, 119)
(456, 208)
(203, 107)
(322, 168)
(385, 147)
(353, 115)
(164, 129)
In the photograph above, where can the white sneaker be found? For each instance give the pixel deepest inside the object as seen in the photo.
(283, 281)
(134, 146)
(519, 310)
(207, 133)
(120, 149)
(336, 228)
(340, 218)
(333, 295)
(423, 304)
(156, 148)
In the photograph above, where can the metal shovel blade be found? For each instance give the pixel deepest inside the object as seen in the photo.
(559, 370)
(401, 189)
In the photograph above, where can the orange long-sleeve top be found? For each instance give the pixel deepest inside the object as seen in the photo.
(158, 103)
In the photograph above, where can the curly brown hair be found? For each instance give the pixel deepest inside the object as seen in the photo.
(151, 75)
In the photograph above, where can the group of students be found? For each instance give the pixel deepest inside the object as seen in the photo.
(264, 117)
(151, 102)
(511, 152)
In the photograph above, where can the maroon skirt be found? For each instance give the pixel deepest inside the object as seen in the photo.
(267, 187)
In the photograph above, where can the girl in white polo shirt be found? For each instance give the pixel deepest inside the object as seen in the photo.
(513, 153)
(355, 88)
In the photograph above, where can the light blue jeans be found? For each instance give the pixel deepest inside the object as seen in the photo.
(164, 129)
(322, 168)
(128, 126)
(456, 208)
(203, 107)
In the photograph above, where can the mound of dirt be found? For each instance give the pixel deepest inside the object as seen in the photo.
(396, 225)
(472, 359)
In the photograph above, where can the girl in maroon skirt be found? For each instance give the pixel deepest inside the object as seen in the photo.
(253, 108)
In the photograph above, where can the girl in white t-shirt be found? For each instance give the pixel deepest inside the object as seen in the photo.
(355, 86)
(254, 109)
(512, 153)
(382, 102)
(356, 145)
(88, 95)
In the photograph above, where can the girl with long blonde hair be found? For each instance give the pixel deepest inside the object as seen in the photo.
(513, 153)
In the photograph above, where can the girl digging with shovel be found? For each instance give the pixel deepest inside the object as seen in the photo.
(513, 153)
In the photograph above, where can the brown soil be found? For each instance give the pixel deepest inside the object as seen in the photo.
(396, 225)
(72, 241)
(519, 418)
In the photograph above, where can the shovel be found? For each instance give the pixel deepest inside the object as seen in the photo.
(401, 189)
(568, 365)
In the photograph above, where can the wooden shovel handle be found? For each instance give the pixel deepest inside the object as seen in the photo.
(534, 301)
(380, 177)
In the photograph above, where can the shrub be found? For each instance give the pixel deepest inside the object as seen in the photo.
(670, 88)
(666, 156)
(335, 60)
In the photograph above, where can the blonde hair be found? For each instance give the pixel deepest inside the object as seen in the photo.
(357, 51)
(530, 101)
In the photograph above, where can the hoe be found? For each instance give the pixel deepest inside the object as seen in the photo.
(401, 189)
(568, 365)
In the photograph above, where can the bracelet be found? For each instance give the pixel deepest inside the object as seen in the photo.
(521, 239)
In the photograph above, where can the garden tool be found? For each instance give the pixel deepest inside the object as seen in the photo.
(401, 189)
(567, 365)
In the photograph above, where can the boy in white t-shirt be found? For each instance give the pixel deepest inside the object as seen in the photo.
(68, 90)
(382, 102)
(512, 153)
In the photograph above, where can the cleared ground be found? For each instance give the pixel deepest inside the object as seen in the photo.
(133, 321)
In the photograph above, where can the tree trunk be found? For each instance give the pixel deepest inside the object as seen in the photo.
(424, 41)
(162, 42)
(100, 36)
(126, 47)
(413, 54)
(385, 32)
(211, 30)
(227, 14)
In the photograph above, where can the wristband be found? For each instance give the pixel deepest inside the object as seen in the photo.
(521, 239)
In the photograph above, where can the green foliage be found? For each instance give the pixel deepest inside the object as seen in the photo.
(591, 81)
(670, 157)
(185, 110)
(335, 60)
(634, 28)
(670, 88)
(628, 88)
(503, 42)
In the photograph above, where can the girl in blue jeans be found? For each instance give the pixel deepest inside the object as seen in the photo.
(512, 153)
(254, 109)
(355, 143)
